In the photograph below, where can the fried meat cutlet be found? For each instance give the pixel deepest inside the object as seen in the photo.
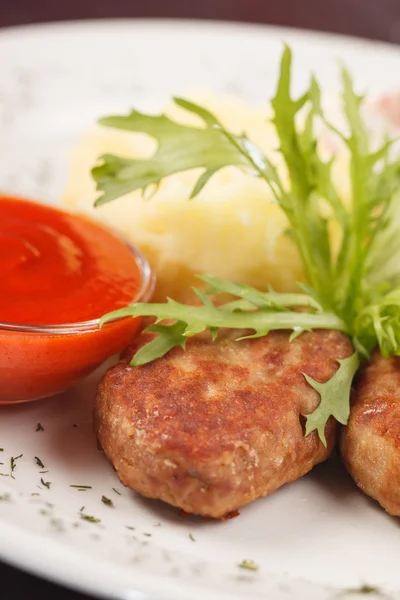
(370, 444)
(213, 427)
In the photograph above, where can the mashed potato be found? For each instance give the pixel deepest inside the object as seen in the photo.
(232, 230)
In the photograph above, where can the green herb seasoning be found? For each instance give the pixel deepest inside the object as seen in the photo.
(39, 427)
(46, 484)
(250, 565)
(107, 501)
(364, 590)
(13, 464)
(89, 518)
(39, 462)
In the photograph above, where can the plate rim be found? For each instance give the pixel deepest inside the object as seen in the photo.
(302, 34)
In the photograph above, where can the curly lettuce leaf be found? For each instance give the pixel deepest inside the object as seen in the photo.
(199, 318)
(334, 397)
(354, 290)
(212, 148)
(258, 299)
(262, 312)
(379, 323)
(369, 231)
(168, 337)
(179, 148)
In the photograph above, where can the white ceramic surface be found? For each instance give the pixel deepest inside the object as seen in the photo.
(312, 539)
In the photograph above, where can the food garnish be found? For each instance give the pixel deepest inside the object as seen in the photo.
(13, 464)
(364, 589)
(39, 462)
(250, 565)
(39, 427)
(353, 288)
(46, 484)
(107, 501)
(89, 518)
(116, 491)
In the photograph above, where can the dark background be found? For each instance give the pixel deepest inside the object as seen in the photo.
(376, 19)
(379, 19)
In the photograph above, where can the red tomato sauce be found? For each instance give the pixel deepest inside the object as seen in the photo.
(57, 268)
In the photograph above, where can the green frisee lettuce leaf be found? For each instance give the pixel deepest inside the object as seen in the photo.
(355, 290)
(334, 397)
(180, 148)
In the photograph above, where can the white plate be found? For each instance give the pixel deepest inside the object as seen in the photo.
(312, 539)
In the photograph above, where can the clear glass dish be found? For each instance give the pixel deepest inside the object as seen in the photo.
(37, 361)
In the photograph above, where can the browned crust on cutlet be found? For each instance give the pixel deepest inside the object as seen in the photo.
(370, 444)
(211, 428)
